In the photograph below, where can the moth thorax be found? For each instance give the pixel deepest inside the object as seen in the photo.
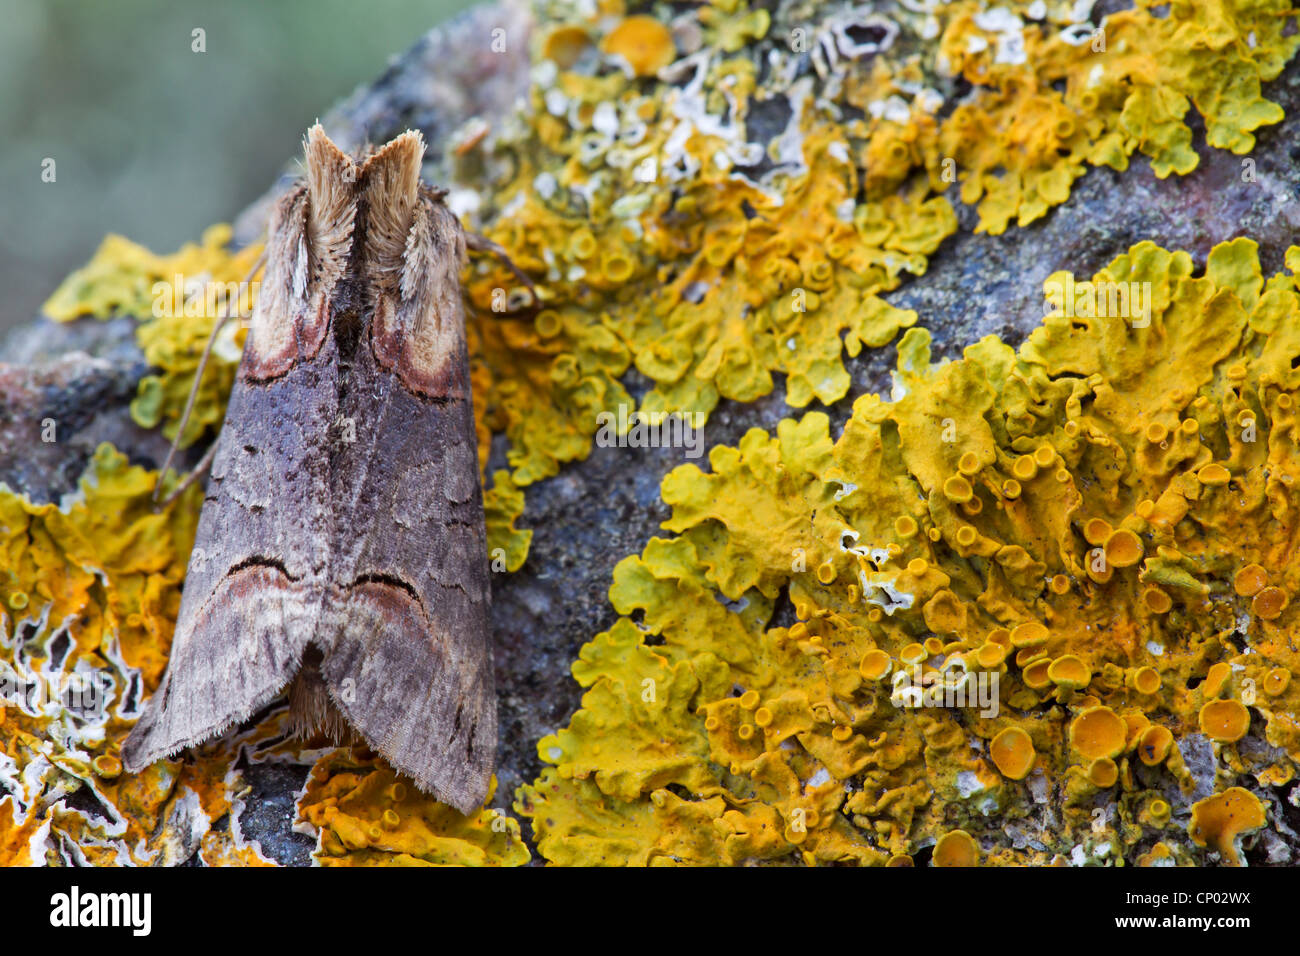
(311, 711)
(347, 331)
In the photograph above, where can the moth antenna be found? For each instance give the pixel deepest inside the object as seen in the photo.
(198, 377)
(199, 470)
(476, 243)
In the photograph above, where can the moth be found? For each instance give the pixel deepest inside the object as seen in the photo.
(341, 550)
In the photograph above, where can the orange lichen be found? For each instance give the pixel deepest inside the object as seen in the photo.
(1225, 720)
(1157, 600)
(1069, 672)
(1029, 634)
(1098, 732)
(1269, 603)
(1218, 821)
(642, 42)
(1276, 682)
(956, 848)
(1103, 772)
(1012, 751)
(1146, 680)
(1155, 744)
(1217, 679)
(1096, 531)
(1123, 549)
(363, 814)
(1250, 580)
(1214, 475)
(1035, 673)
(958, 489)
(565, 44)
(990, 656)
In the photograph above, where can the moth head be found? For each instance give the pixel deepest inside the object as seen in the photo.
(360, 243)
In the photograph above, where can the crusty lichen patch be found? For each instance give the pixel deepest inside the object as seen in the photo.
(1086, 524)
(88, 591)
(735, 214)
(364, 815)
(176, 299)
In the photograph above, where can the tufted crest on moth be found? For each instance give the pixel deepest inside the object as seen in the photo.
(389, 191)
(309, 244)
(413, 252)
(364, 225)
(331, 179)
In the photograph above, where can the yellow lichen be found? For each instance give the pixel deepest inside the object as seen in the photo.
(363, 814)
(176, 298)
(643, 43)
(1225, 720)
(1094, 684)
(1012, 750)
(956, 848)
(1050, 99)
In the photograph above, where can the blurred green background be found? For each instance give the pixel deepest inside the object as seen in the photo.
(153, 140)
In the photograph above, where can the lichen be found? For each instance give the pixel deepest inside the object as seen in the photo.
(176, 298)
(735, 214)
(503, 503)
(89, 589)
(1070, 520)
(363, 815)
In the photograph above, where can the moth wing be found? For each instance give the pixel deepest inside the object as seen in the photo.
(414, 676)
(254, 587)
(234, 657)
(410, 665)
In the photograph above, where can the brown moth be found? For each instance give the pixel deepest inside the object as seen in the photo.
(341, 550)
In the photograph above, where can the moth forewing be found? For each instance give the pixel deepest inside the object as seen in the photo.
(357, 570)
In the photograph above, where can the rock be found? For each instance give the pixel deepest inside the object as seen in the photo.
(83, 375)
